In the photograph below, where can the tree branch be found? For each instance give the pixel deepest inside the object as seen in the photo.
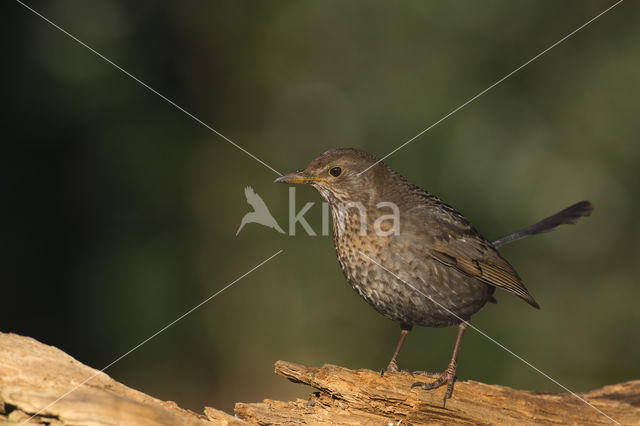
(364, 396)
(33, 376)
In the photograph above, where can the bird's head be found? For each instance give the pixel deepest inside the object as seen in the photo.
(341, 175)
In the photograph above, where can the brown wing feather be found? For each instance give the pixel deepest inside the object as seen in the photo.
(453, 241)
(494, 275)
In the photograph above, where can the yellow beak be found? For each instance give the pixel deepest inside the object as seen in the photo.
(297, 177)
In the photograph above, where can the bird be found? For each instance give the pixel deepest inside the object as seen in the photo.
(261, 213)
(412, 257)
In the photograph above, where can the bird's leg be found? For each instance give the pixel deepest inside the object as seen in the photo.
(448, 376)
(393, 364)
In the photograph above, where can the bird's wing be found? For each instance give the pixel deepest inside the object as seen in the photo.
(456, 243)
(502, 276)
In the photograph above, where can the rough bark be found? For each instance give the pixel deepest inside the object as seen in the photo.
(364, 396)
(33, 376)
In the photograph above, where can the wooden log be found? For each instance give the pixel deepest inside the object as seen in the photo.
(364, 396)
(34, 375)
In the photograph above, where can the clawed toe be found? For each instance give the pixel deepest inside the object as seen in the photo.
(383, 371)
(429, 374)
(404, 370)
(391, 368)
(447, 377)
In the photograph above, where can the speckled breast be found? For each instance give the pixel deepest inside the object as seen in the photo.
(398, 278)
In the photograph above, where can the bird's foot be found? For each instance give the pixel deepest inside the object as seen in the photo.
(447, 377)
(428, 374)
(391, 368)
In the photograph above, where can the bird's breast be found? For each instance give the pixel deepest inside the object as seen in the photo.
(395, 274)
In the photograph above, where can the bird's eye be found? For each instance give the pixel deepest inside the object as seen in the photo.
(335, 171)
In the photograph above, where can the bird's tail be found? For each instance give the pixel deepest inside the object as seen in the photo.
(569, 215)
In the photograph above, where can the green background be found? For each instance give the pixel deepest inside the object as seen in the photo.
(119, 212)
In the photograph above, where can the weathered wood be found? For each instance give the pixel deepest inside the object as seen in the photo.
(362, 396)
(33, 375)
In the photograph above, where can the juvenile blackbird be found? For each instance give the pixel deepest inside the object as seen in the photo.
(412, 257)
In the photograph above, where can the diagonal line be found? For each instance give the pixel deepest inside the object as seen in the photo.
(496, 342)
(155, 334)
(128, 74)
(495, 84)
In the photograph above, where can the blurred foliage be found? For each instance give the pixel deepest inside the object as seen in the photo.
(119, 212)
